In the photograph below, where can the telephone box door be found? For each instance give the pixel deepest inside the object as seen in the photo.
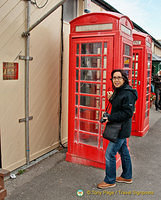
(136, 83)
(91, 64)
(141, 80)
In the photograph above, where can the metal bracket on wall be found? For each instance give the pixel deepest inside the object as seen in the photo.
(25, 34)
(25, 58)
(25, 119)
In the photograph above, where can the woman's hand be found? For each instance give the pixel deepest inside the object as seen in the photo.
(105, 118)
(109, 94)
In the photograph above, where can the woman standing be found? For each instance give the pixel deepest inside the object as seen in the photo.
(157, 82)
(123, 103)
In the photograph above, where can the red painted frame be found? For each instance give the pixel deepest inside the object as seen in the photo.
(116, 38)
(142, 47)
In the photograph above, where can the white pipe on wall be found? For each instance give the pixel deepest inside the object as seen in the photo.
(27, 86)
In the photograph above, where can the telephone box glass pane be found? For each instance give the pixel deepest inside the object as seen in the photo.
(101, 142)
(77, 74)
(90, 75)
(104, 76)
(91, 48)
(75, 124)
(89, 114)
(90, 88)
(91, 140)
(75, 136)
(136, 74)
(91, 61)
(77, 61)
(104, 90)
(103, 103)
(105, 62)
(127, 50)
(76, 99)
(136, 66)
(77, 48)
(105, 48)
(76, 112)
(90, 101)
(89, 127)
(77, 87)
(102, 129)
(126, 62)
(133, 65)
(132, 73)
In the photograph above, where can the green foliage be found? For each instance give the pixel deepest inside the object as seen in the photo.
(21, 171)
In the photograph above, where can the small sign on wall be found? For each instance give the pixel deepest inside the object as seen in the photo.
(10, 71)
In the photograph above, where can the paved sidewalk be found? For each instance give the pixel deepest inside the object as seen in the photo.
(56, 179)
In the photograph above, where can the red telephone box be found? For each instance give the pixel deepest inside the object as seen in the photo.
(141, 80)
(99, 43)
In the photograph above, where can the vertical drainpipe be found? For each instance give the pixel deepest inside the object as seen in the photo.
(61, 77)
(27, 85)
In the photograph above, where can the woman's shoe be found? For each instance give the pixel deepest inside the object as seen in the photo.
(104, 185)
(123, 180)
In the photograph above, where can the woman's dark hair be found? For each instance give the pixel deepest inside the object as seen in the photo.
(123, 73)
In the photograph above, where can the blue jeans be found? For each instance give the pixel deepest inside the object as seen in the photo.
(158, 98)
(112, 149)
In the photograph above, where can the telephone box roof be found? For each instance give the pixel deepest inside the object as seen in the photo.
(109, 13)
(134, 32)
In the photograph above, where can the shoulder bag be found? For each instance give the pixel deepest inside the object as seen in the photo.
(112, 129)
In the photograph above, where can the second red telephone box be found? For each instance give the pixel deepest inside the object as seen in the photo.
(141, 80)
(99, 43)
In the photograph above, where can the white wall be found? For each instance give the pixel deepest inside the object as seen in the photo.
(44, 84)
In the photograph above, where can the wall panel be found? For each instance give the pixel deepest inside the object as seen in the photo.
(45, 85)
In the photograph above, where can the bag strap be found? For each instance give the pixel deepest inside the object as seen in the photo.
(109, 104)
(108, 107)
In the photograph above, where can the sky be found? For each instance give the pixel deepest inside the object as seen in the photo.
(145, 13)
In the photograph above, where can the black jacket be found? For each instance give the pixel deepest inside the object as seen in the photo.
(157, 81)
(123, 105)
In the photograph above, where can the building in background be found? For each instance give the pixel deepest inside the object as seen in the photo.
(156, 64)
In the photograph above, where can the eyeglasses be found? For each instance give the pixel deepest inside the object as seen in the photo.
(117, 78)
